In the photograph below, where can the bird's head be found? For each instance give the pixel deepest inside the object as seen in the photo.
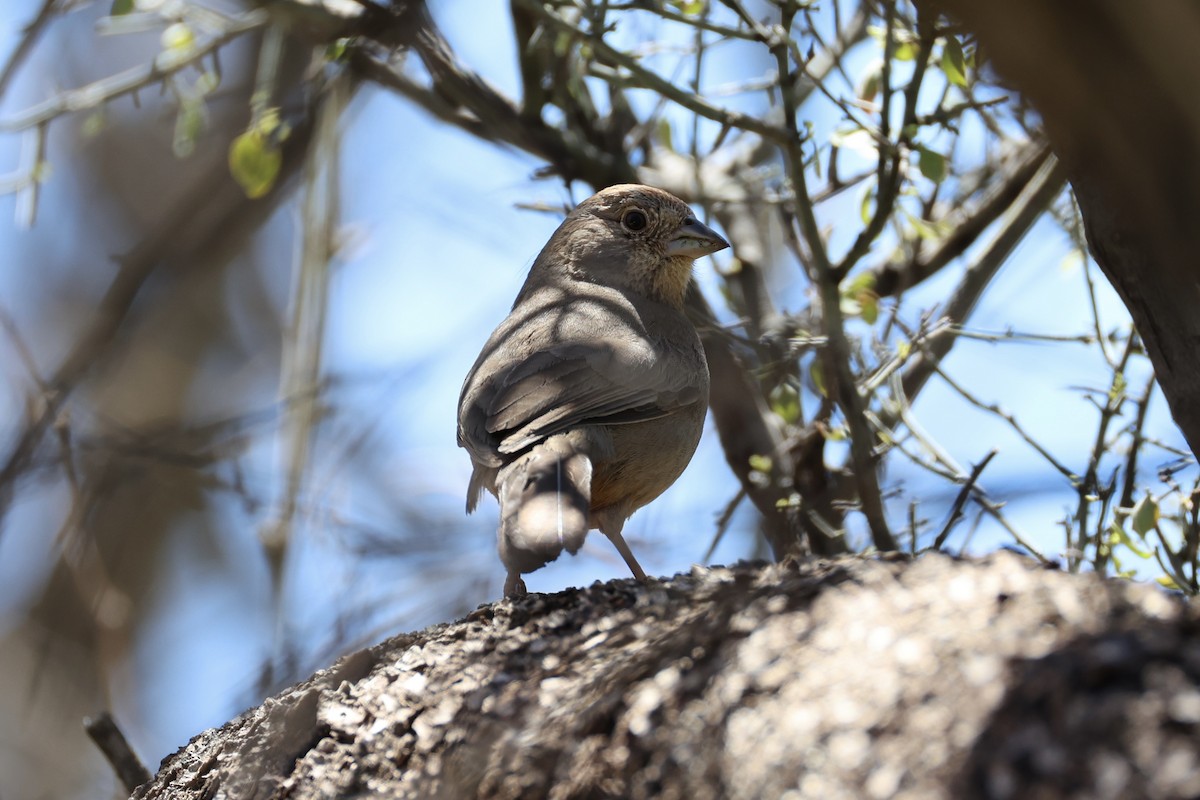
(632, 237)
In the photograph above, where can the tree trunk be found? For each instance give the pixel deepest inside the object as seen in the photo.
(852, 678)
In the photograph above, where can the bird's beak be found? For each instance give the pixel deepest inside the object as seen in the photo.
(695, 239)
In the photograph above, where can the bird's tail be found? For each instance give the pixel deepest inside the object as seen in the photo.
(545, 497)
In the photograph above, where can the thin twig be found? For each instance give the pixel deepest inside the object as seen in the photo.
(28, 38)
(652, 80)
(838, 348)
(961, 499)
(723, 524)
(103, 731)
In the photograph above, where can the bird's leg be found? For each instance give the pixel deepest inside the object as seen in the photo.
(514, 586)
(613, 532)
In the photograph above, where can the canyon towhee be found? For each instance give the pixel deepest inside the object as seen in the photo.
(588, 400)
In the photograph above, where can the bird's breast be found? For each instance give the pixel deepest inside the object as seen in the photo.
(646, 458)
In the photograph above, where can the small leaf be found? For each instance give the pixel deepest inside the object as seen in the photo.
(793, 500)
(954, 65)
(662, 133)
(923, 229)
(858, 140)
(869, 87)
(178, 37)
(94, 123)
(1145, 515)
(1167, 582)
(336, 51)
(120, 7)
(1072, 262)
(254, 161)
(785, 401)
(931, 164)
(859, 298)
(208, 82)
(188, 124)
(862, 282)
(838, 434)
(869, 304)
(1116, 392)
(41, 171)
(817, 374)
(867, 204)
(1117, 535)
(760, 463)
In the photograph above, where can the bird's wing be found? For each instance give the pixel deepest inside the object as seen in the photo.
(583, 383)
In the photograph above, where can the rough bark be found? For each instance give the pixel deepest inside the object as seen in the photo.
(1115, 84)
(850, 678)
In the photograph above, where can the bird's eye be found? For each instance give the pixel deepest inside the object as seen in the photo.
(634, 220)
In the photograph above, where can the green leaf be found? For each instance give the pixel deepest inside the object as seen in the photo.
(1167, 582)
(208, 82)
(923, 229)
(858, 140)
(760, 463)
(932, 165)
(1117, 535)
(1145, 515)
(336, 51)
(254, 161)
(869, 87)
(868, 198)
(793, 500)
(120, 7)
(838, 434)
(862, 282)
(859, 298)
(785, 401)
(954, 65)
(817, 374)
(662, 133)
(178, 37)
(188, 124)
(869, 305)
(94, 123)
(1116, 392)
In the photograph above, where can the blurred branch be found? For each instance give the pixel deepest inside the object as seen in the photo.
(304, 336)
(213, 212)
(462, 98)
(28, 38)
(131, 80)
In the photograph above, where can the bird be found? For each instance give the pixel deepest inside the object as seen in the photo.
(589, 399)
